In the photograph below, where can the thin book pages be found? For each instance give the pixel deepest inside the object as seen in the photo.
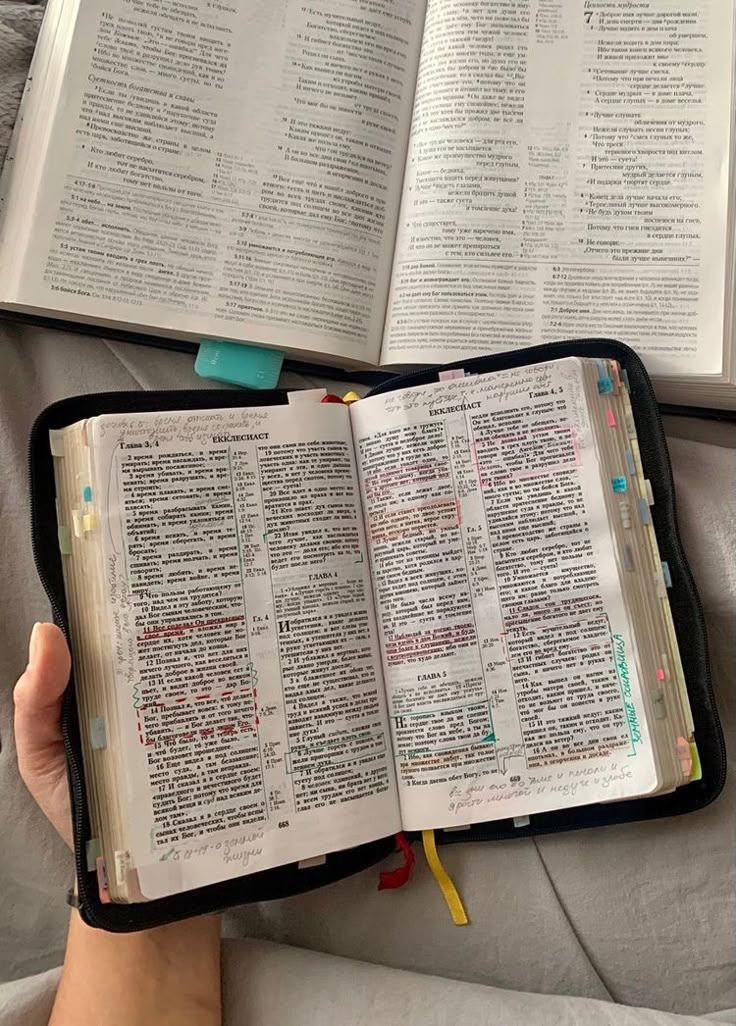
(306, 627)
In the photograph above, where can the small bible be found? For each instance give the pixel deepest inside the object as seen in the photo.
(298, 627)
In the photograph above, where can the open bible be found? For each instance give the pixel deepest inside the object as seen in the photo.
(298, 628)
(383, 182)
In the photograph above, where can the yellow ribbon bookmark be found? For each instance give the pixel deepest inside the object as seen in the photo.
(448, 888)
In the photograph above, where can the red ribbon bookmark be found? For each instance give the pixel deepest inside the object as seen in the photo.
(392, 878)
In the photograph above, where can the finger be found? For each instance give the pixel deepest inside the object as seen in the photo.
(39, 692)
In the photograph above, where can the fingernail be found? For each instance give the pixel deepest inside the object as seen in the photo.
(33, 644)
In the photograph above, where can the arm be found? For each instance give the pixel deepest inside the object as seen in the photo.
(168, 975)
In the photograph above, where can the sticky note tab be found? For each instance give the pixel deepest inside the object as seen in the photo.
(87, 494)
(602, 369)
(605, 385)
(625, 379)
(685, 756)
(122, 859)
(93, 851)
(649, 492)
(316, 860)
(625, 508)
(697, 770)
(521, 821)
(618, 484)
(97, 734)
(238, 364)
(628, 558)
(611, 418)
(455, 829)
(451, 375)
(90, 522)
(660, 673)
(666, 573)
(77, 523)
(102, 881)
(630, 464)
(306, 395)
(56, 443)
(644, 514)
(616, 375)
(658, 706)
(630, 425)
(65, 540)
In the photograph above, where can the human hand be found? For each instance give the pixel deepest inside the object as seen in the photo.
(38, 696)
(169, 974)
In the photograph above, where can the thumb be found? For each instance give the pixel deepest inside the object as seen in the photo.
(38, 697)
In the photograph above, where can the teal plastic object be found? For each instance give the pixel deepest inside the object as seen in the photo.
(249, 366)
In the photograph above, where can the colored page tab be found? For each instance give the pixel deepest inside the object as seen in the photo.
(56, 443)
(77, 523)
(697, 769)
(684, 755)
(306, 395)
(625, 512)
(618, 484)
(644, 514)
(102, 881)
(93, 851)
(658, 704)
(630, 464)
(316, 860)
(611, 418)
(605, 385)
(97, 733)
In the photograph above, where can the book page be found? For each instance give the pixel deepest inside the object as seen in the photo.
(510, 665)
(251, 708)
(228, 170)
(567, 177)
